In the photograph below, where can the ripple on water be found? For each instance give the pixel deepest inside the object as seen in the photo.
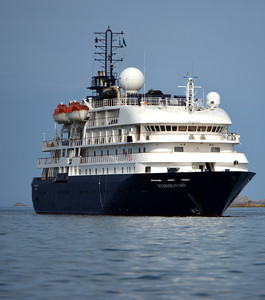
(132, 258)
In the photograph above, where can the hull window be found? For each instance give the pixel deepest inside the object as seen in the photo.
(178, 149)
(215, 149)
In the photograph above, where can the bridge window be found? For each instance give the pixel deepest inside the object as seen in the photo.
(182, 128)
(192, 128)
(201, 128)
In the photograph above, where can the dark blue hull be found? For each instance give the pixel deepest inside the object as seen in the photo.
(167, 194)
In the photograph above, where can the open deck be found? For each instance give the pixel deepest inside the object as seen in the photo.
(145, 101)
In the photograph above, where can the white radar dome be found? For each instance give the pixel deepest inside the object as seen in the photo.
(213, 99)
(131, 80)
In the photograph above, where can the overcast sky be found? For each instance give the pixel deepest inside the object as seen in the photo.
(47, 51)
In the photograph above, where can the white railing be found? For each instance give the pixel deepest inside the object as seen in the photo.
(79, 142)
(64, 142)
(46, 162)
(140, 102)
(231, 136)
(147, 136)
(106, 158)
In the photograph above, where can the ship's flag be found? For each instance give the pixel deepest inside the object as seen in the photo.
(124, 43)
(96, 40)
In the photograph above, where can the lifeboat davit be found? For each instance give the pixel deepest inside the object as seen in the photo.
(60, 114)
(77, 111)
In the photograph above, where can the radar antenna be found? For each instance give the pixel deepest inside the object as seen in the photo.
(106, 44)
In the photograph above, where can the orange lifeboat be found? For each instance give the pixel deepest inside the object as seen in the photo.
(60, 114)
(77, 111)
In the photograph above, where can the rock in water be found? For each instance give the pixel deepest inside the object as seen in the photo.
(20, 204)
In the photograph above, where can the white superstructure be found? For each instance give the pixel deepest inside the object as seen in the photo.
(144, 134)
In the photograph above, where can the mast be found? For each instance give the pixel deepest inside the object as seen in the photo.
(190, 92)
(106, 44)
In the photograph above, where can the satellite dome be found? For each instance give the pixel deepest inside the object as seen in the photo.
(131, 80)
(213, 99)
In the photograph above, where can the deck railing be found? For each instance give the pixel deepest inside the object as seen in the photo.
(145, 101)
(79, 142)
(46, 162)
(107, 158)
(122, 138)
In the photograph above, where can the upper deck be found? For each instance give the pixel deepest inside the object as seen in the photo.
(122, 111)
(143, 101)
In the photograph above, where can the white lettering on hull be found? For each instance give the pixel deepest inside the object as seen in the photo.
(171, 185)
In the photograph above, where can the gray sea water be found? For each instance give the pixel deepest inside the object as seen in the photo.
(105, 257)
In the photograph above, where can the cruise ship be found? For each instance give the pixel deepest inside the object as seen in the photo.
(122, 152)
